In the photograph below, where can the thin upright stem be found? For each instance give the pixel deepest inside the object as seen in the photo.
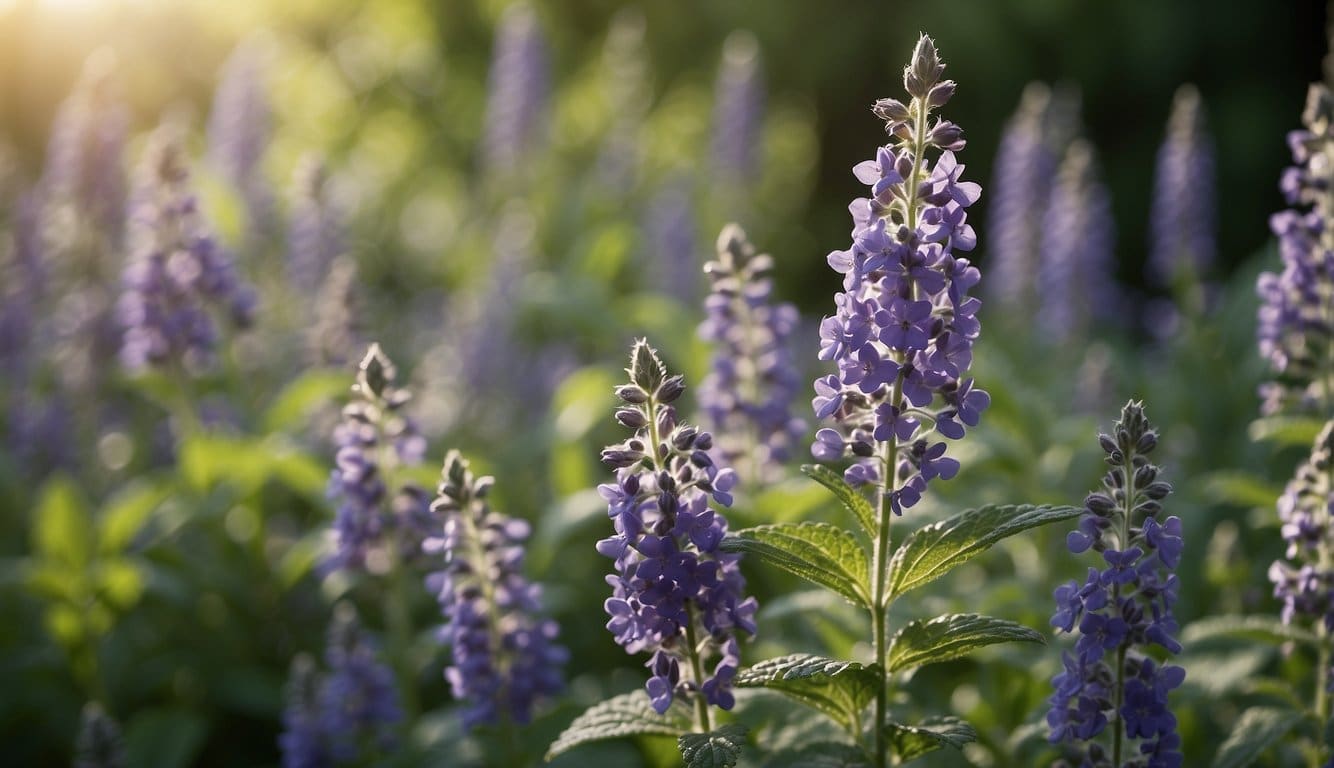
(1118, 727)
(697, 669)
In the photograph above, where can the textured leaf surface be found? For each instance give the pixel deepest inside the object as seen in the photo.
(826, 754)
(853, 501)
(1263, 628)
(629, 714)
(720, 748)
(821, 553)
(1258, 729)
(912, 741)
(949, 637)
(931, 551)
(840, 689)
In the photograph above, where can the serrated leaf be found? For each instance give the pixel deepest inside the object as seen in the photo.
(1263, 628)
(1258, 729)
(853, 501)
(630, 714)
(719, 748)
(912, 741)
(949, 637)
(818, 552)
(932, 550)
(826, 754)
(840, 689)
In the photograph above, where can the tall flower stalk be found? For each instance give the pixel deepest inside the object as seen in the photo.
(903, 334)
(1181, 225)
(1110, 681)
(674, 592)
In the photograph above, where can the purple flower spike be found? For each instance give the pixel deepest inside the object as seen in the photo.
(671, 581)
(902, 335)
(1181, 224)
(1303, 580)
(1119, 610)
(517, 92)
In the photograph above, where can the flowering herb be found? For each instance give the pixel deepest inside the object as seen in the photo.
(671, 229)
(746, 398)
(1181, 224)
(304, 741)
(315, 236)
(517, 91)
(359, 705)
(1120, 610)
(738, 111)
(239, 128)
(337, 322)
(674, 594)
(1296, 329)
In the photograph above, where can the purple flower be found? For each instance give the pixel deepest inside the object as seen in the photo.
(315, 235)
(238, 131)
(305, 740)
(517, 89)
(1120, 609)
(738, 111)
(372, 439)
(902, 334)
(1303, 580)
(358, 702)
(670, 579)
(1181, 223)
(671, 232)
(505, 655)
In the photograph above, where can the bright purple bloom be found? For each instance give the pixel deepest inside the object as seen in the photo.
(505, 655)
(1120, 609)
(902, 334)
(669, 572)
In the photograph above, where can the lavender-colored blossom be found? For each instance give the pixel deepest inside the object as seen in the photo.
(23, 288)
(1025, 169)
(373, 439)
(358, 702)
(177, 272)
(738, 109)
(304, 741)
(517, 92)
(99, 744)
(505, 655)
(238, 130)
(1181, 224)
(904, 328)
(628, 93)
(672, 582)
(1075, 277)
(337, 324)
(315, 235)
(746, 399)
(671, 230)
(1304, 579)
(1295, 329)
(1120, 609)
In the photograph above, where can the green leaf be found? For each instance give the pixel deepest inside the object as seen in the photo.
(1265, 629)
(840, 689)
(853, 501)
(912, 741)
(932, 550)
(1258, 729)
(630, 714)
(819, 552)
(1286, 430)
(1240, 488)
(720, 748)
(292, 408)
(170, 738)
(125, 515)
(949, 637)
(63, 527)
(826, 754)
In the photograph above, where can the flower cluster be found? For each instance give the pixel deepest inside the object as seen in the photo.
(1181, 237)
(345, 715)
(746, 398)
(336, 327)
(671, 579)
(504, 650)
(239, 128)
(1296, 327)
(738, 108)
(903, 335)
(1075, 280)
(315, 234)
(1304, 580)
(372, 439)
(671, 228)
(176, 271)
(517, 89)
(1119, 610)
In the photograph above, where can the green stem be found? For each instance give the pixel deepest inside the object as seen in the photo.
(398, 621)
(1128, 472)
(697, 669)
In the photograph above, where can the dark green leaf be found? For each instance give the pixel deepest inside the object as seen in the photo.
(720, 748)
(840, 689)
(852, 500)
(629, 714)
(827, 754)
(170, 738)
(1258, 729)
(912, 741)
(819, 552)
(1266, 629)
(949, 637)
(931, 551)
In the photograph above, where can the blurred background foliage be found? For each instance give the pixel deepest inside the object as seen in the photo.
(169, 572)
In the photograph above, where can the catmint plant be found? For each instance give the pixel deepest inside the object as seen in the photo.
(628, 93)
(1181, 223)
(517, 92)
(1110, 705)
(337, 322)
(738, 111)
(674, 594)
(315, 236)
(239, 128)
(671, 228)
(1295, 328)
(746, 398)
(304, 740)
(505, 655)
(177, 275)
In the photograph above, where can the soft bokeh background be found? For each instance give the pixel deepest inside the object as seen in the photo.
(183, 610)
